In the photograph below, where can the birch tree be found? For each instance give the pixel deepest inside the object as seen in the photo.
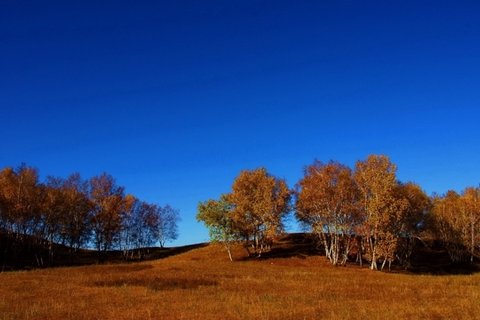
(450, 224)
(327, 200)
(216, 215)
(167, 228)
(21, 195)
(109, 205)
(376, 180)
(260, 202)
(410, 219)
(471, 200)
(76, 222)
(457, 219)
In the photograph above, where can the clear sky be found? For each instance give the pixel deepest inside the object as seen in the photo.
(174, 98)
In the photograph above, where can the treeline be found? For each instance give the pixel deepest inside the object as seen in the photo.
(362, 214)
(79, 213)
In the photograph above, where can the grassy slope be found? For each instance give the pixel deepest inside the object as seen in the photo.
(203, 284)
(22, 253)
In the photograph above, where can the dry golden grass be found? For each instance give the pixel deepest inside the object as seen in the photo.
(203, 284)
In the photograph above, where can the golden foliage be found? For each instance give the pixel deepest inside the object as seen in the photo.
(457, 221)
(259, 201)
(327, 200)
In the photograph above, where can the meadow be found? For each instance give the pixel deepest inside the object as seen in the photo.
(203, 284)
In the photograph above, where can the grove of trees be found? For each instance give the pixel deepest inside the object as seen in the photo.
(457, 222)
(252, 212)
(362, 214)
(80, 213)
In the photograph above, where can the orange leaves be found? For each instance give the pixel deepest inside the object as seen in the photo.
(457, 221)
(109, 204)
(253, 210)
(260, 201)
(327, 200)
(20, 199)
(369, 203)
(327, 193)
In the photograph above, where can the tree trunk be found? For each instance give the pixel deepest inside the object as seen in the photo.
(360, 251)
(229, 253)
(472, 244)
(328, 247)
(373, 265)
(383, 264)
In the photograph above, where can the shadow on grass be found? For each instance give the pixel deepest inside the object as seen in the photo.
(27, 254)
(428, 258)
(445, 270)
(433, 259)
(160, 253)
(293, 245)
(158, 284)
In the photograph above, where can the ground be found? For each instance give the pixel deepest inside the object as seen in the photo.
(203, 284)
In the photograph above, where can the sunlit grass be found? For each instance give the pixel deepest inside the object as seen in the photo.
(203, 284)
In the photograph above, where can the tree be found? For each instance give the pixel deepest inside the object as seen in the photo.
(76, 220)
(132, 227)
(260, 201)
(21, 197)
(109, 206)
(216, 215)
(146, 224)
(139, 227)
(376, 180)
(8, 198)
(53, 208)
(327, 200)
(410, 221)
(471, 202)
(168, 219)
(457, 223)
(450, 224)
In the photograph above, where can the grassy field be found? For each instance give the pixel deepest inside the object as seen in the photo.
(203, 284)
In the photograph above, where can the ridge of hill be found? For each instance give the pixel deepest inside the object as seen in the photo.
(17, 253)
(28, 252)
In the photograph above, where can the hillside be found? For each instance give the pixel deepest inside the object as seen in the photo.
(203, 284)
(429, 256)
(26, 253)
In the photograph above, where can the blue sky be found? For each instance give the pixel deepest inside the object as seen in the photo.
(174, 98)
